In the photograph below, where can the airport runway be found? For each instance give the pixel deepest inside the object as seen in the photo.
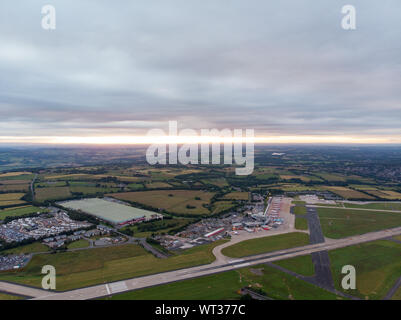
(320, 259)
(102, 290)
(323, 276)
(315, 229)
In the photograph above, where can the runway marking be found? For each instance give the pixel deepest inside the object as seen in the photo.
(242, 265)
(107, 288)
(118, 287)
(235, 260)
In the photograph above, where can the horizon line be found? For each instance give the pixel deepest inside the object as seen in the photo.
(148, 140)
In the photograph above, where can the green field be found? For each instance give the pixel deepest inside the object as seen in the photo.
(29, 248)
(78, 244)
(93, 266)
(301, 223)
(17, 177)
(219, 182)
(56, 193)
(88, 190)
(6, 296)
(52, 184)
(348, 193)
(16, 212)
(176, 201)
(385, 194)
(244, 196)
(14, 187)
(331, 177)
(266, 244)
(376, 205)
(299, 203)
(157, 185)
(377, 264)
(136, 186)
(281, 286)
(144, 230)
(10, 199)
(397, 295)
(220, 286)
(302, 265)
(340, 223)
(299, 210)
(220, 206)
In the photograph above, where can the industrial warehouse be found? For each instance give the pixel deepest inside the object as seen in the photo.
(112, 211)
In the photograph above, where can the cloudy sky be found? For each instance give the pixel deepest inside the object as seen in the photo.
(119, 68)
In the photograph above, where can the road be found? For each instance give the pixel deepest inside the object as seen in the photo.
(217, 266)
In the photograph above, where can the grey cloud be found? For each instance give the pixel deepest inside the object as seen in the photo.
(281, 67)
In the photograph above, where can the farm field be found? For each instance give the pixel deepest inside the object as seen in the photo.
(303, 178)
(331, 177)
(145, 230)
(136, 186)
(266, 244)
(157, 185)
(386, 194)
(294, 187)
(348, 193)
(377, 264)
(88, 190)
(119, 177)
(14, 182)
(68, 176)
(10, 199)
(266, 176)
(220, 206)
(93, 266)
(14, 185)
(10, 196)
(52, 184)
(220, 182)
(57, 193)
(107, 210)
(19, 211)
(14, 174)
(12, 178)
(339, 223)
(176, 201)
(237, 196)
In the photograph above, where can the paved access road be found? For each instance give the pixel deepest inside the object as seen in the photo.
(177, 275)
